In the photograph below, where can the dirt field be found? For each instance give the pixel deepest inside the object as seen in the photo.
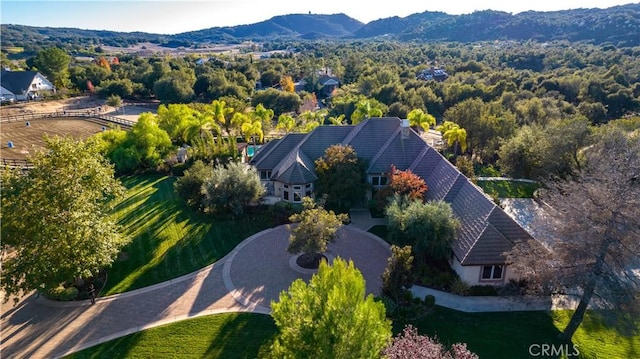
(29, 139)
(128, 111)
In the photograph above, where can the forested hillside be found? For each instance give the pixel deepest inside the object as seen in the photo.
(618, 25)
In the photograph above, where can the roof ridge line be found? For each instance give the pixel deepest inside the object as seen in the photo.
(384, 147)
(419, 158)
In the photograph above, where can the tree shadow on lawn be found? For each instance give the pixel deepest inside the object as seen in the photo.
(243, 336)
(490, 335)
(169, 238)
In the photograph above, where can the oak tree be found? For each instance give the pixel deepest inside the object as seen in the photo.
(55, 218)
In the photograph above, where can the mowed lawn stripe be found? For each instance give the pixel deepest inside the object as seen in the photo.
(168, 238)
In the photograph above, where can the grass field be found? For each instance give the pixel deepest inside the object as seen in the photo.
(508, 189)
(490, 335)
(168, 238)
(228, 336)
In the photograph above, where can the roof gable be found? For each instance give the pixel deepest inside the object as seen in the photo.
(17, 82)
(367, 137)
(281, 149)
(398, 151)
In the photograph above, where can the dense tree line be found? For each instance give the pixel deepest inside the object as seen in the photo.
(515, 102)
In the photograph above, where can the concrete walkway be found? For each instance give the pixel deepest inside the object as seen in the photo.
(240, 282)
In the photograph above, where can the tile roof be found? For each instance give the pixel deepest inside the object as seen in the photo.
(486, 231)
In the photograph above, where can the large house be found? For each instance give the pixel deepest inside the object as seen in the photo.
(286, 168)
(23, 85)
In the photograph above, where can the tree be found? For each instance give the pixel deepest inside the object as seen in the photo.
(144, 147)
(397, 277)
(366, 109)
(114, 101)
(286, 123)
(177, 87)
(330, 317)
(55, 217)
(341, 176)
(403, 183)
(315, 228)
(286, 82)
(175, 119)
(429, 227)
(418, 118)
(593, 242)
(191, 186)
(409, 344)
(219, 112)
(454, 135)
(54, 64)
(201, 122)
(232, 187)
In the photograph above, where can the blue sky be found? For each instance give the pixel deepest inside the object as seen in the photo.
(170, 17)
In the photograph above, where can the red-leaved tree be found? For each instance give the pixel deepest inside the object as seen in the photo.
(402, 183)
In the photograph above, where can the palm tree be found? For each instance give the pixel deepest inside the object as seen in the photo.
(264, 115)
(365, 109)
(202, 121)
(286, 123)
(219, 112)
(337, 120)
(455, 135)
(418, 118)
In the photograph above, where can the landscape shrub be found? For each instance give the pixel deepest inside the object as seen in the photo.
(460, 287)
(483, 290)
(61, 293)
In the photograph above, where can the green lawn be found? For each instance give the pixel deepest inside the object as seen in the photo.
(168, 238)
(508, 189)
(228, 336)
(490, 335)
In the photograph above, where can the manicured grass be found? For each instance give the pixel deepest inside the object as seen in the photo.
(508, 189)
(490, 335)
(225, 336)
(169, 239)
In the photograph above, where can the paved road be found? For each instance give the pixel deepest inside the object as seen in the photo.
(248, 279)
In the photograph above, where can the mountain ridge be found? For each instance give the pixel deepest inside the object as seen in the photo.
(618, 24)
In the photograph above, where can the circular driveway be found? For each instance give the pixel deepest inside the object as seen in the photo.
(259, 268)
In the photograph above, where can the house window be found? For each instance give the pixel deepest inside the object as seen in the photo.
(297, 197)
(308, 185)
(492, 272)
(286, 195)
(307, 194)
(265, 175)
(378, 181)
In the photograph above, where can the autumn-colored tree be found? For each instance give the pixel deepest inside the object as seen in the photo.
(403, 183)
(287, 84)
(104, 63)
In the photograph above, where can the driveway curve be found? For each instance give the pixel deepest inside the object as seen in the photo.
(246, 280)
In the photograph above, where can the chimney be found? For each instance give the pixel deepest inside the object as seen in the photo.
(404, 129)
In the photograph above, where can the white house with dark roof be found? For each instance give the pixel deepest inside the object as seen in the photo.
(24, 85)
(286, 168)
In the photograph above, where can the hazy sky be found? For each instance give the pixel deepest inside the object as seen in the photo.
(170, 17)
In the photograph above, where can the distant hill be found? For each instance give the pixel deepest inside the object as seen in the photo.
(619, 25)
(294, 25)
